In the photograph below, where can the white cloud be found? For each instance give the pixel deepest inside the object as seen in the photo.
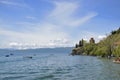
(102, 37)
(63, 14)
(6, 2)
(26, 24)
(42, 36)
(49, 32)
(63, 9)
(30, 17)
(15, 3)
(51, 43)
(82, 20)
(86, 35)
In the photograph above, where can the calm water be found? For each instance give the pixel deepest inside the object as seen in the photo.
(55, 65)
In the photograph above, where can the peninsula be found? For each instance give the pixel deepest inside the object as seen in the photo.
(107, 47)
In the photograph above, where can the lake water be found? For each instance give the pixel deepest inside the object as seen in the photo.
(55, 64)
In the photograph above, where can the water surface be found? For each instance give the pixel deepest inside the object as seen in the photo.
(55, 65)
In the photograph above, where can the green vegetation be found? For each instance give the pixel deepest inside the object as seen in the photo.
(109, 46)
(116, 51)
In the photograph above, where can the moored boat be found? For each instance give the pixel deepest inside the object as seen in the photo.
(117, 60)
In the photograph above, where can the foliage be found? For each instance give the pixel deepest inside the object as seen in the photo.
(76, 46)
(115, 31)
(88, 48)
(106, 47)
(101, 51)
(116, 51)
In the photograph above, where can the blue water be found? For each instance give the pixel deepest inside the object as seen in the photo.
(55, 64)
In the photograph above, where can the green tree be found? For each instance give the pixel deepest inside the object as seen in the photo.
(101, 51)
(88, 48)
(116, 51)
(76, 46)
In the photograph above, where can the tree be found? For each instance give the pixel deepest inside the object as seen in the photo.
(76, 46)
(108, 44)
(116, 51)
(80, 43)
(88, 48)
(101, 51)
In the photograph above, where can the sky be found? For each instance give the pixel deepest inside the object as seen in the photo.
(55, 23)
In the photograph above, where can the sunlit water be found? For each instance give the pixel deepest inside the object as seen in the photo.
(56, 66)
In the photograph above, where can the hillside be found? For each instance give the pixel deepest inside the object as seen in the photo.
(109, 46)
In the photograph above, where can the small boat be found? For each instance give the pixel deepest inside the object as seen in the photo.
(29, 57)
(116, 61)
(11, 54)
(6, 55)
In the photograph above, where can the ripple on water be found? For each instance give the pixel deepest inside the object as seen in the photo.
(45, 77)
(58, 68)
(12, 77)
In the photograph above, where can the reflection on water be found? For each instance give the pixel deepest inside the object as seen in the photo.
(57, 67)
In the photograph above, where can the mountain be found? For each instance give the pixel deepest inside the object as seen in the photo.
(38, 50)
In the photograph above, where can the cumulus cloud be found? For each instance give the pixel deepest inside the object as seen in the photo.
(86, 35)
(42, 36)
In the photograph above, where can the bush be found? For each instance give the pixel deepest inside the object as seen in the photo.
(116, 51)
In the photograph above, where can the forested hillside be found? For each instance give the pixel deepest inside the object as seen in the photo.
(109, 46)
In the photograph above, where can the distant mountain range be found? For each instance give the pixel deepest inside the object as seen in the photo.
(38, 50)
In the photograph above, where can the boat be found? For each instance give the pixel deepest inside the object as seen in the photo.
(6, 55)
(116, 61)
(29, 57)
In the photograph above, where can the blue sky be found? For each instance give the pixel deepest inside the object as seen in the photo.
(47, 23)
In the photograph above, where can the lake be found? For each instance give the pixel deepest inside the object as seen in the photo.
(55, 64)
